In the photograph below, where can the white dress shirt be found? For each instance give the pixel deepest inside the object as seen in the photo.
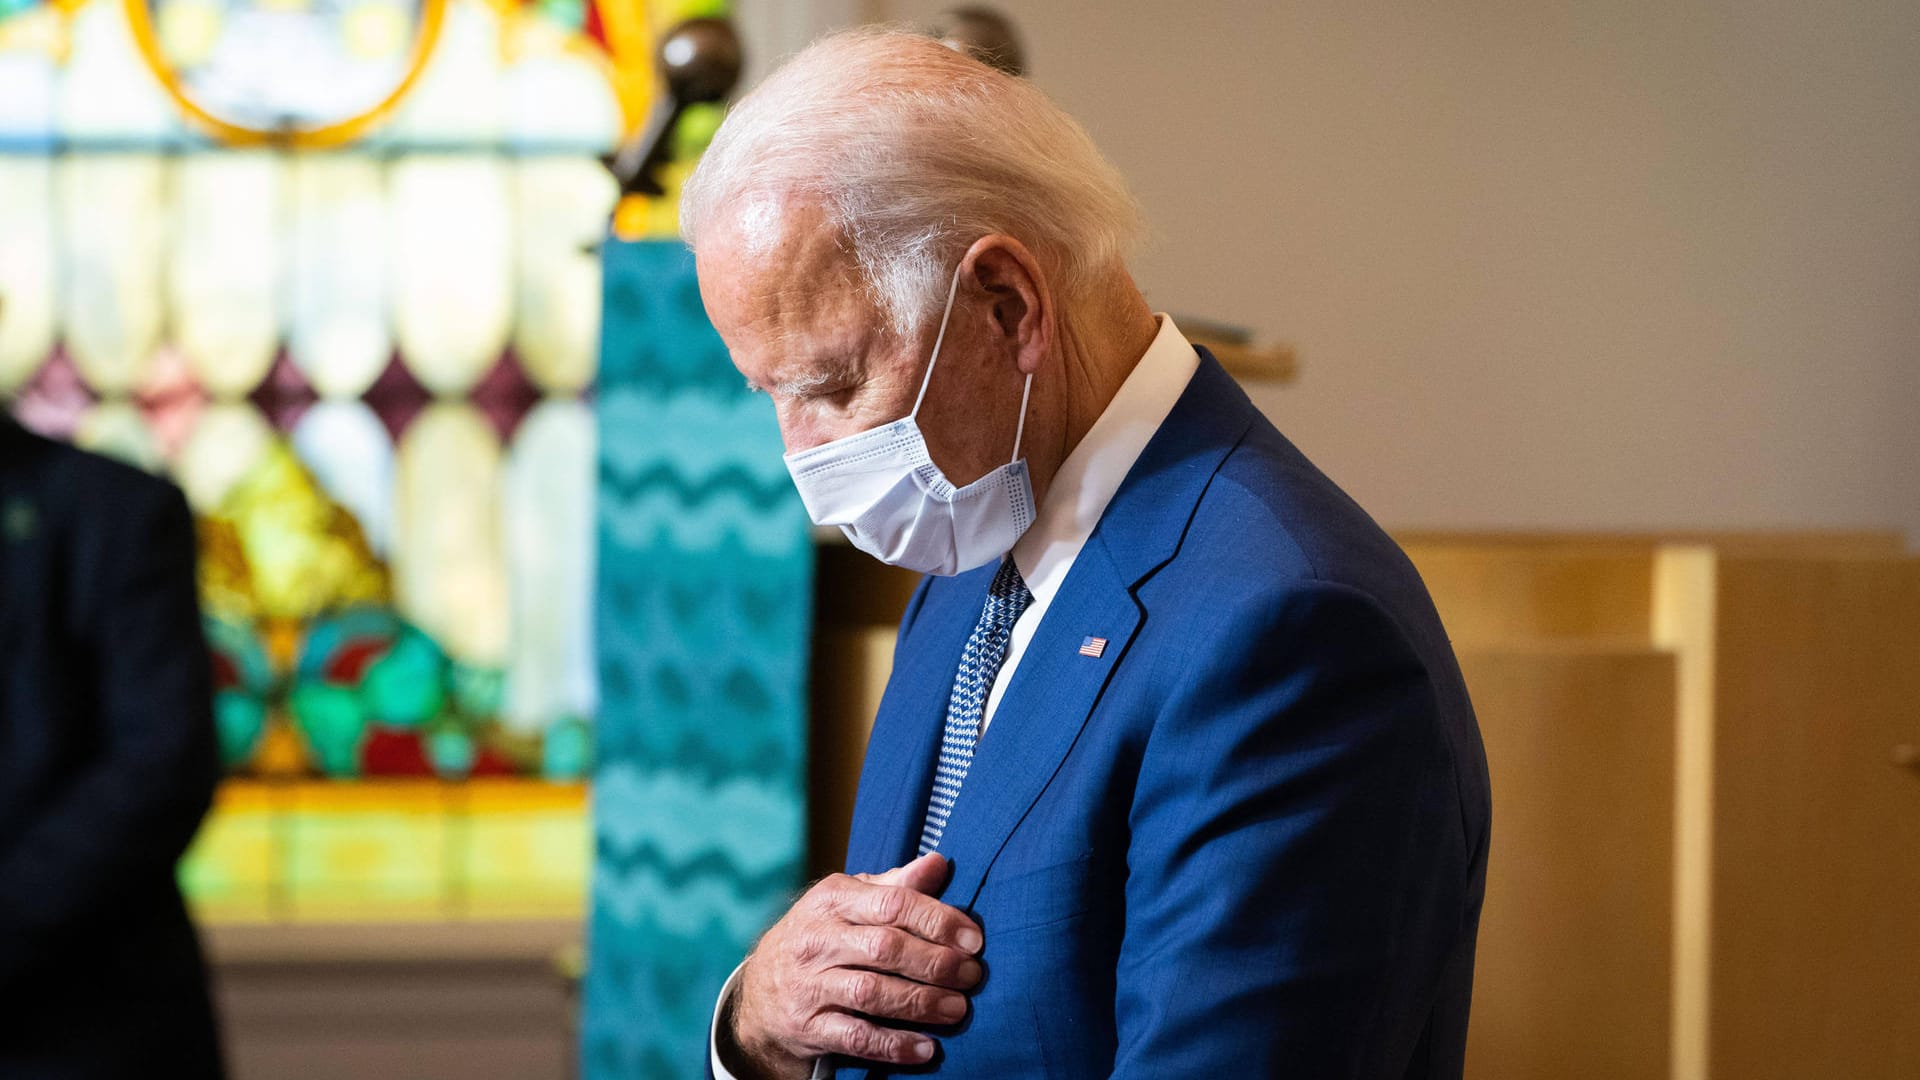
(1076, 498)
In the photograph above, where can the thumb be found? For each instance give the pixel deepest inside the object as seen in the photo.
(925, 874)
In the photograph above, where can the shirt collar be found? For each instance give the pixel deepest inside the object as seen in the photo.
(1092, 472)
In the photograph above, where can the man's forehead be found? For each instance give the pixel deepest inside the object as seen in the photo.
(762, 223)
(767, 236)
(779, 285)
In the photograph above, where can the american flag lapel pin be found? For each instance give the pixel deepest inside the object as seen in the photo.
(1093, 646)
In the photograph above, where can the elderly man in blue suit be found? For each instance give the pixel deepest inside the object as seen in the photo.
(1175, 775)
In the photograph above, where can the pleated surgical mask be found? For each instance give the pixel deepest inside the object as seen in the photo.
(883, 490)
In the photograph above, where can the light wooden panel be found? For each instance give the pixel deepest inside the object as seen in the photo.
(425, 1001)
(1685, 622)
(1526, 586)
(1496, 593)
(1816, 872)
(1571, 981)
(1755, 543)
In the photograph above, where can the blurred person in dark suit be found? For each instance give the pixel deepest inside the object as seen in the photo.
(108, 761)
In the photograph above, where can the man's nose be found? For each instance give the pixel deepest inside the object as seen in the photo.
(796, 432)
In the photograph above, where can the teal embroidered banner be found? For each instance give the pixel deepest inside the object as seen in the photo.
(703, 621)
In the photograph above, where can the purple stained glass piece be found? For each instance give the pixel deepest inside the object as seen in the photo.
(52, 402)
(396, 397)
(284, 396)
(504, 395)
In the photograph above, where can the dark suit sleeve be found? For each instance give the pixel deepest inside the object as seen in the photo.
(127, 814)
(1296, 851)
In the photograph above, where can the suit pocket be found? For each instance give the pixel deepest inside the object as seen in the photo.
(1041, 896)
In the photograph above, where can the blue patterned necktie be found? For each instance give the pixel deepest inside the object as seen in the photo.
(986, 651)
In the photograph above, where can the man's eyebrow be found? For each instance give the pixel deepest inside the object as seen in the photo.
(803, 385)
(816, 375)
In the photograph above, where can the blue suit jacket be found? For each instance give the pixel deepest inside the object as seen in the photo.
(1247, 840)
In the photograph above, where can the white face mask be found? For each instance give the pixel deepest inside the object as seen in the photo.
(884, 491)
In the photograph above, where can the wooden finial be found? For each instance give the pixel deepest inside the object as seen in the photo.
(700, 59)
(984, 34)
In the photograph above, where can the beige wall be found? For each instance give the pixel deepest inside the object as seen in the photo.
(1597, 265)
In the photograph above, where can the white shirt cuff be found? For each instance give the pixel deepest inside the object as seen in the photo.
(822, 1067)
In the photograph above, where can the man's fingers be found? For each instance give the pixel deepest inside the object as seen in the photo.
(914, 912)
(894, 951)
(889, 997)
(925, 874)
(839, 1033)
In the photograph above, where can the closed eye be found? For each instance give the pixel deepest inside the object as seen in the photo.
(830, 392)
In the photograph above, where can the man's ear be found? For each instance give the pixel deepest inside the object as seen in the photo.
(1021, 312)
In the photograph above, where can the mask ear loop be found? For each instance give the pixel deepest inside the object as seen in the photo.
(927, 380)
(1022, 429)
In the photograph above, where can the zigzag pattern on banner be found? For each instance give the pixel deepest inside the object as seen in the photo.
(639, 303)
(645, 974)
(672, 473)
(688, 491)
(699, 432)
(754, 834)
(707, 864)
(703, 602)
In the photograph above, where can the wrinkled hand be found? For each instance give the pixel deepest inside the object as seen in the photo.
(850, 951)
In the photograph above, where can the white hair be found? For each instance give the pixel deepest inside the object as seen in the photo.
(914, 151)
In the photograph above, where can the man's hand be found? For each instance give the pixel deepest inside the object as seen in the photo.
(853, 948)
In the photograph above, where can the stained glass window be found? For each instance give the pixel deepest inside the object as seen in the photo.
(330, 265)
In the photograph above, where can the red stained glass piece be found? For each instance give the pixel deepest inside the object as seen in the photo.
(225, 675)
(489, 762)
(594, 28)
(348, 665)
(387, 752)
